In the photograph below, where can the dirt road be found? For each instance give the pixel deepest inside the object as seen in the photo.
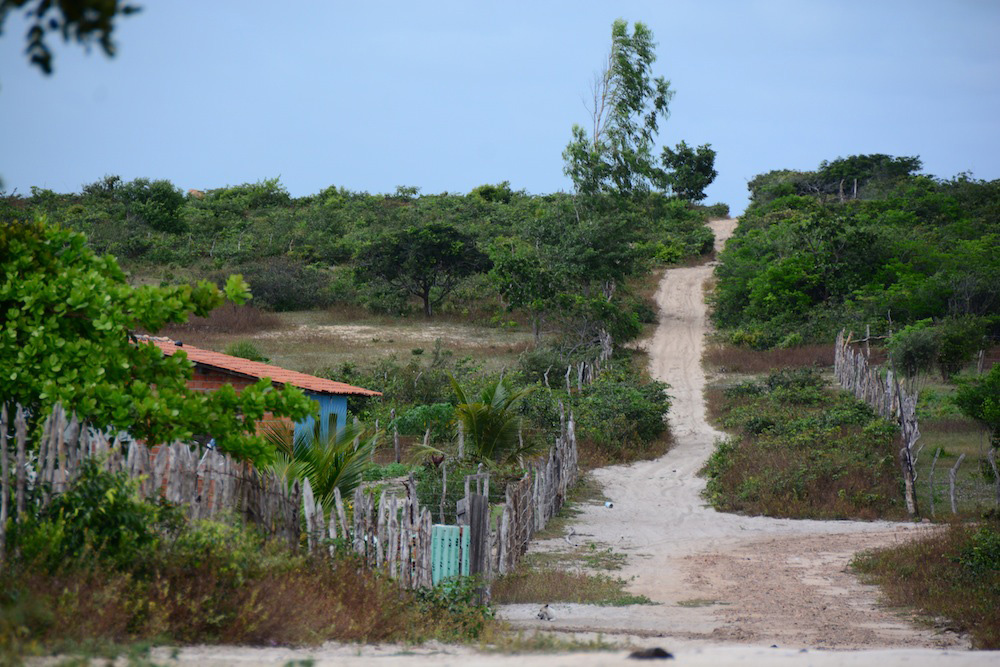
(722, 577)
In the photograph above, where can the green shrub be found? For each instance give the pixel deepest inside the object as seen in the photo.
(246, 350)
(618, 412)
(284, 283)
(914, 349)
(98, 517)
(437, 416)
(981, 554)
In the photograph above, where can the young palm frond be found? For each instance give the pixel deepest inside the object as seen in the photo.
(491, 423)
(335, 462)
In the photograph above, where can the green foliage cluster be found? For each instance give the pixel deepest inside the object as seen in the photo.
(69, 317)
(948, 343)
(802, 451)
(550, 262)
(979, 398)
(331, 462)
(491, 422)
(619, 413)
(245, 349)
(808, 259)
(99, 518)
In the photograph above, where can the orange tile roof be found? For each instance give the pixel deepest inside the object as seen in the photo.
(258, 369)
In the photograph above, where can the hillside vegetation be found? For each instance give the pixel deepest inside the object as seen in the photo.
(863, 240)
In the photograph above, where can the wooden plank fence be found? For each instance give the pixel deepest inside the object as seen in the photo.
(205, 481)
(393, 534)
(881, 390)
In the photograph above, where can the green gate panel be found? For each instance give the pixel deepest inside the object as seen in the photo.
(449, 552)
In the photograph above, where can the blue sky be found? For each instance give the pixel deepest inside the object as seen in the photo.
(450, 95)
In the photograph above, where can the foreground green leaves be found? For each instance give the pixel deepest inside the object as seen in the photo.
(69, 317)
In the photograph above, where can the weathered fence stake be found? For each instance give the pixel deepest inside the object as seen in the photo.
(4, 481)
(952, 475)
(930, 478)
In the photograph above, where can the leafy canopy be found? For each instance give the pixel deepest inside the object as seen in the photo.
(426, 261)
(67, 337)
(628, 105)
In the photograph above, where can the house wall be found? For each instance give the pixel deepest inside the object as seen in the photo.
(210, 379)
(332, 409)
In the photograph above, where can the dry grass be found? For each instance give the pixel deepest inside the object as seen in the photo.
(954, 575)
(229, 320)
(592, 456)
(732, 359)
(306, 605)
(549, 585)
(308, 341)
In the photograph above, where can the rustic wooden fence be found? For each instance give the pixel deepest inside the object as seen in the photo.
(533, 500)
(204, 481)
(393, 534)
(881, 389)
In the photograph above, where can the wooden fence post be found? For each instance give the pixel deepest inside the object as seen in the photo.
(4, 482)
(991, 456)
(21, 434)
(952, 475)
(930, 479)
(395, 437)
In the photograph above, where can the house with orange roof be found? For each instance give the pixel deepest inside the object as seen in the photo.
(212, 370)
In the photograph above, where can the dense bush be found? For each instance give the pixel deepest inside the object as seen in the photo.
(618, 412)
(560, 254)
(284, 283)
(808, 258)
(97, 518)
(802, 451)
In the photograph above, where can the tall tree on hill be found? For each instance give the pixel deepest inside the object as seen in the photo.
(691, 170)
(628, 104)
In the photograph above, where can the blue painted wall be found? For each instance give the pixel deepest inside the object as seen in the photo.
(331, 409)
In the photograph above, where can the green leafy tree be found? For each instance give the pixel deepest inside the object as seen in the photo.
(959, 338)
(914, 349)
(628, 105)
(525, 279)
(492, 422)
(156, 203)
(426, 261)
(80, 21)
(69, 317)
(979, 399)
(689, 170)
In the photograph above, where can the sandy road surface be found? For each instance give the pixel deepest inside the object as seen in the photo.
(731, 590)
(722, 577)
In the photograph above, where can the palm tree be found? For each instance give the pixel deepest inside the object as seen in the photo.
(491, 423)
(335, 462)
